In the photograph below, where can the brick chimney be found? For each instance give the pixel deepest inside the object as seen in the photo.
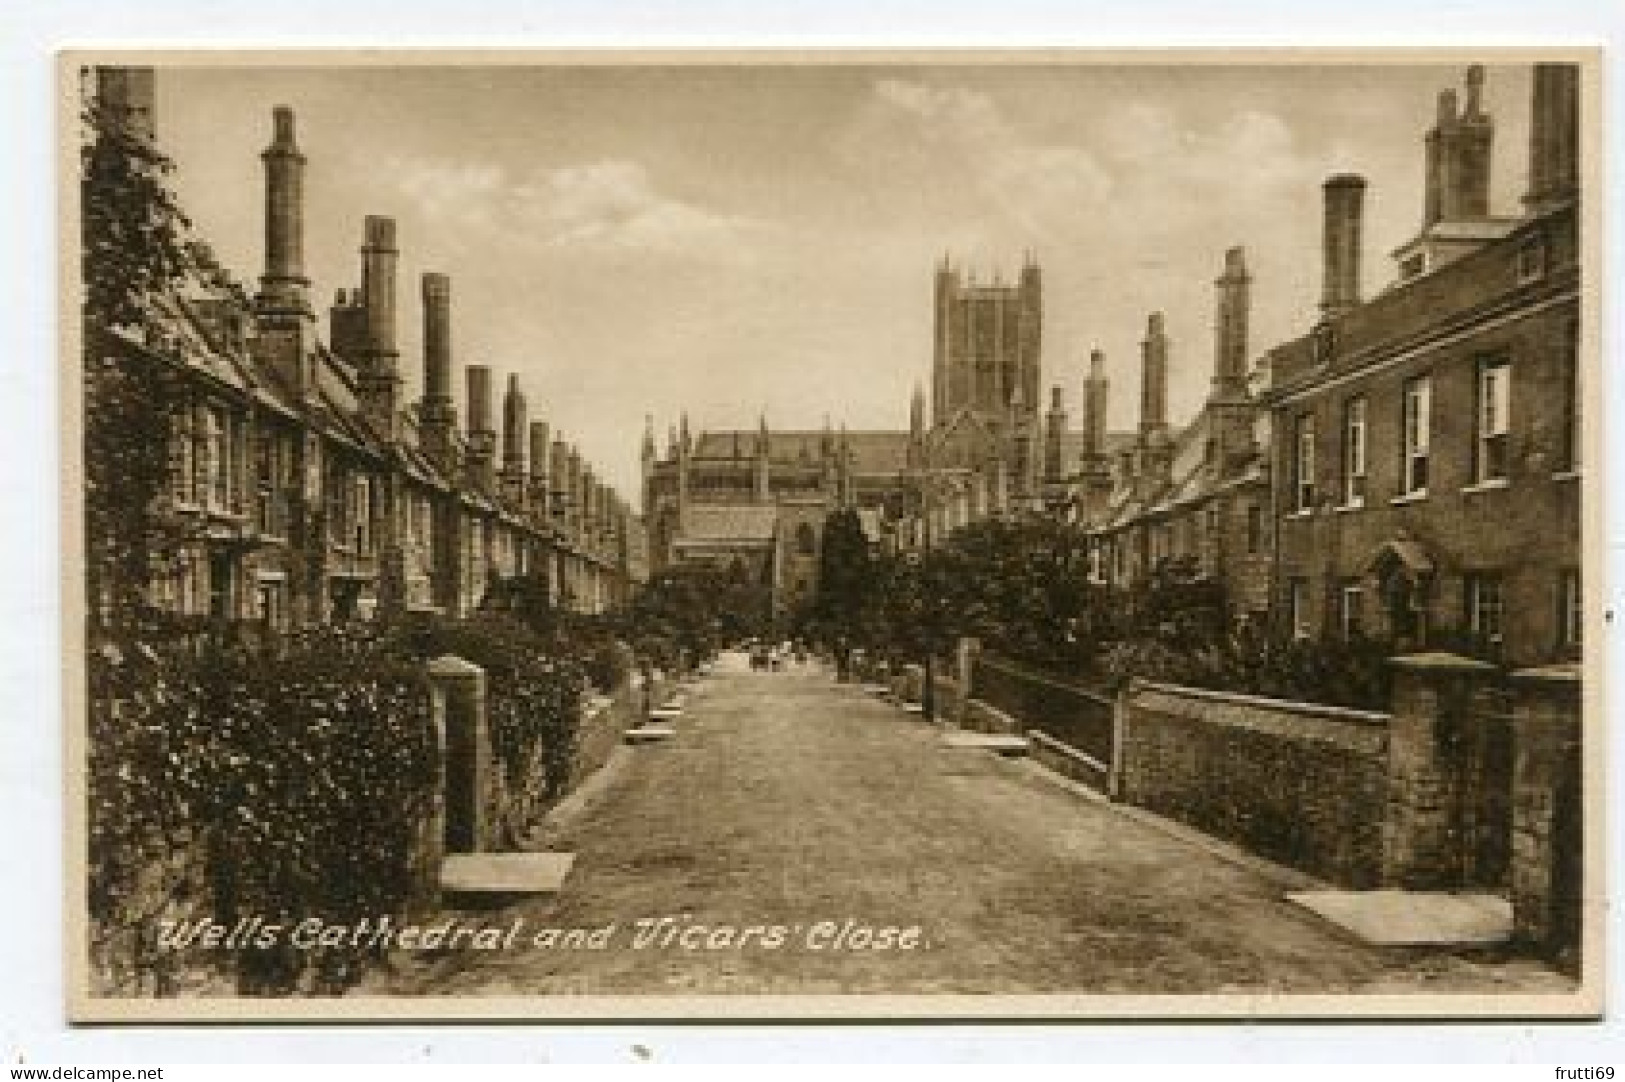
(1154, 381)
(1458, 156)
(1554, 138)
(1054, 435)
(378, 371)
(558, 472)
(1153, 450)
(538, 468)
(1344, 198)
(438, 417)
(481, 435)
(1234, 288)
(513, 443)
(286, 342)
(1096, 466)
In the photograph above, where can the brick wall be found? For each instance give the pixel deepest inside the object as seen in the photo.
(1297, 783)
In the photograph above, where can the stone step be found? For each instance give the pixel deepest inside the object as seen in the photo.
(505, 873)
(665, 713)
(649, 734)
(1402, 918)
(994, 742)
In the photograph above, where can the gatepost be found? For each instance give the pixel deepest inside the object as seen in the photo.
(457, 704)
(1432, 692)
(1547, 840)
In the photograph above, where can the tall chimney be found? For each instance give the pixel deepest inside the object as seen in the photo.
(282, 286)
(1554, 138)
(1458, 156)
(126, 98)
(378, 256)
(1054, 435)
(1094, 406)
(481, 436)
(513, 442)
(558, 470)
(1344, 195)
(437, 415)
(1230, 327)
(436, 338)
(378, 376)
(1153, 380)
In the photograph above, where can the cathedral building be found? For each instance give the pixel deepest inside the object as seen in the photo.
(980, 444)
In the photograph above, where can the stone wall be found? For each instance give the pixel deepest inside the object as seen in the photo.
(1548, 884)
(1297, 783)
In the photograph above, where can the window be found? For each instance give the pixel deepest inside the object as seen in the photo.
(1298, 608)
(1303, 467)
(1349, 615)
(1570, 611)
(180, 455)
(1354, 442)
(218, 469)
(1255, 529)
(1486, 608)
(1414, 425)
(362, 517)
(1494, 408)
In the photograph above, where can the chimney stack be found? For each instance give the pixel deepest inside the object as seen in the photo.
(1054, 435)
(538, 469)
(378, 257)
(436, 338)
(1094, 406)
(513, 442)
(282, 286)
(1554, 138)
(1230, 328)
(437, 414)
(481, 436)
(1344, 196)
(378, 375)
(1153, 381)
(1458, 156)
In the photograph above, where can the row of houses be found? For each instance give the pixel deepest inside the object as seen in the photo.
(1410, 466)
(309, 489)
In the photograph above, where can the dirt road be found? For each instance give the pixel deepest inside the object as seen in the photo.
(788, 802)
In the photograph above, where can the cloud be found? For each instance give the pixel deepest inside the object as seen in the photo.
(608, 207)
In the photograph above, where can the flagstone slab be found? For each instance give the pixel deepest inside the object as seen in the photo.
(1400, 918)
(666, 713)
(505, 873)
(994, 742)
(649, 734)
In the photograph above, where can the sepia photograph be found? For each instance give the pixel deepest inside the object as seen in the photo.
(831, 534)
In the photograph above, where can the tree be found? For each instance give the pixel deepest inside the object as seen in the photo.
(846, 579)
(136, 253)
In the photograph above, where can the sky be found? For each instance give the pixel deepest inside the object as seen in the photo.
(745, 239)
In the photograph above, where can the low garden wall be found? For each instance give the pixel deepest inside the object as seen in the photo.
(1298, 783)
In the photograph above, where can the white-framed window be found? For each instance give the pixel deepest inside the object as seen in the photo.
(1491, 424)
(217, 436)
(181, 451)
(1354, 453)
(1350, 614)
(1303, 463)
(1415, 427)
(1486, 607)
(1570, 610)
(362, 514)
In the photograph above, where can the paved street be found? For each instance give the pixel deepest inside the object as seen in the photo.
(786, 799)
